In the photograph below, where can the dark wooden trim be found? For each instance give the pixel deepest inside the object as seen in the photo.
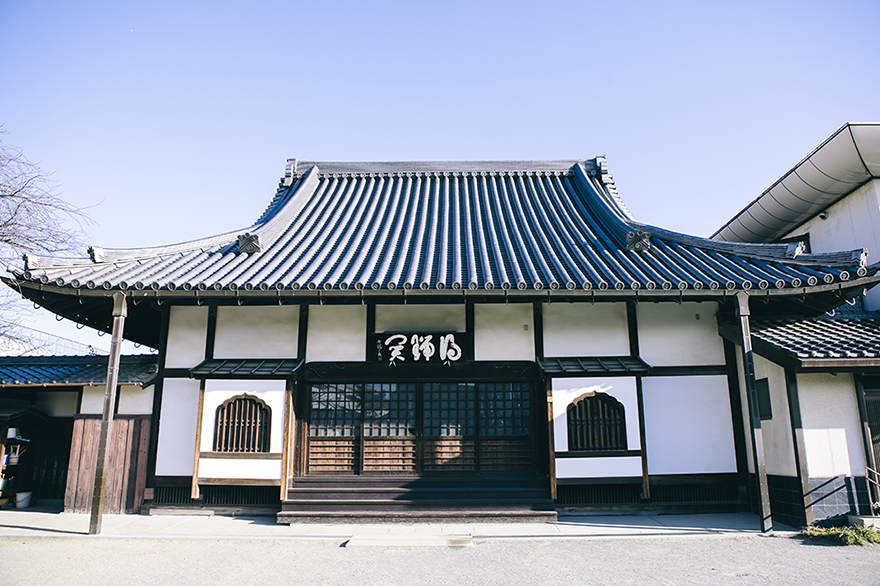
(286, 418)
(157, 397)
(99, 416)
(303, 332)
(600, 454)
(547, 385)
(239, 481)
(632, 324)
(711, 370)
(657, 479)
(538, 329)
(116, 401)
(736, 415)
(470, 331)
(177, 373)
(372, 355)
(241, 455)
(481, 371)
(797, 437)
(211, 334)
(172, 480)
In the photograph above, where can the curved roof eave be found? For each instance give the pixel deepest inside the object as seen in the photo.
(844, 162)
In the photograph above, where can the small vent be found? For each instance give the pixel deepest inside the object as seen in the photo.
(695, 493)
(599, 494)
(172, 495)
(240, 495)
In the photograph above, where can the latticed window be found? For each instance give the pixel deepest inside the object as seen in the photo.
(596, 422)
(243, 425)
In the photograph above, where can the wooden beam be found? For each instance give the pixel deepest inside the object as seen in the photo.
(103, 456)
(632, 323)
(867, 441)
(194, 486)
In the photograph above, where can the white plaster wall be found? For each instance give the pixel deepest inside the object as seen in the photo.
(776, 432)
(566, 390)
(135, 400)
(504, 332)
(337, 333)
(853, 222)
(187, 330)
(57, 404)
(584, 329)
(688, 427)
(832, 428)
(679, 335)
(92, 400)
(217, 391)
(257, 332)
(420, 318)
(239, 468)
(177, 427)
(598, 467)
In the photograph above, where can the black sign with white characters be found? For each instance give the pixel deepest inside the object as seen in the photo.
(397, 348)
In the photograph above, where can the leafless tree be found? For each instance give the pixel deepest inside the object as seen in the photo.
(33, 219)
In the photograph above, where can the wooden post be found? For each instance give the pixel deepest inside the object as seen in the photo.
(800, 448)
(103, 458)
(742, 311)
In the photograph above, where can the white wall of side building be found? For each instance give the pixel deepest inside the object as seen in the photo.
(776, 432)
(257, 332)
(177, 427)
(583, 329)
(337, 333)
(187, 332)
(851, 223)
(504, 332)
(133, 400)
(679, 335)
(831, 423)
(565, 391)
(688, 425)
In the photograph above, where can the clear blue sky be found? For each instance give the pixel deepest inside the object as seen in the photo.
(173, 120)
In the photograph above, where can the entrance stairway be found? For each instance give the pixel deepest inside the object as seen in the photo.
(327, 499)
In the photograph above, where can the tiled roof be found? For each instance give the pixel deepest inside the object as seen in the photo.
(73, 370)
(518, 226)
(594, 365)
(821, 338)
(260, 368)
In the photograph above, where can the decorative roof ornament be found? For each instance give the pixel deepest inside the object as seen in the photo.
(639, 241)
(859, 257)
(795, 249)
(249, 243)
(289, 172)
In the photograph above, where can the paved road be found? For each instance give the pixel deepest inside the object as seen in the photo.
(697, 559)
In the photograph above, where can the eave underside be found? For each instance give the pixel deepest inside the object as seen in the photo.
(93, 308)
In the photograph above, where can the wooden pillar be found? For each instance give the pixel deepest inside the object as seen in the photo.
(797, 436)
(103, 456)
(742, 311)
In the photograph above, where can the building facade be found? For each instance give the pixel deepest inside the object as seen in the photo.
(448, 339)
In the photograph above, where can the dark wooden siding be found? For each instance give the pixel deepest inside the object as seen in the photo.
(127, 470)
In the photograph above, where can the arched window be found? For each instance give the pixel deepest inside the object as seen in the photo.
(596, 422)
(243, 424)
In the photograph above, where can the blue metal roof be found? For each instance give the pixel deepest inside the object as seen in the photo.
(514, 226)
(18, 371)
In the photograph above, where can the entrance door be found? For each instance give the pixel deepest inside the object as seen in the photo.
(420, 428)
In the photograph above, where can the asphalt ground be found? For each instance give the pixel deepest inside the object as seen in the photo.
(53, 548)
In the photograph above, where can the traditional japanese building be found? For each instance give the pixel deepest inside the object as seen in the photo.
(447, 339)
(819, 379)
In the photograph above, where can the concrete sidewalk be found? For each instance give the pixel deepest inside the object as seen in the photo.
(47, 523)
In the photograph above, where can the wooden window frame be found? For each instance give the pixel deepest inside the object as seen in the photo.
(244, 432)
(610, 437)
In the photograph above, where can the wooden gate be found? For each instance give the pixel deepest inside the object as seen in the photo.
(127, 470)
(420, 428)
